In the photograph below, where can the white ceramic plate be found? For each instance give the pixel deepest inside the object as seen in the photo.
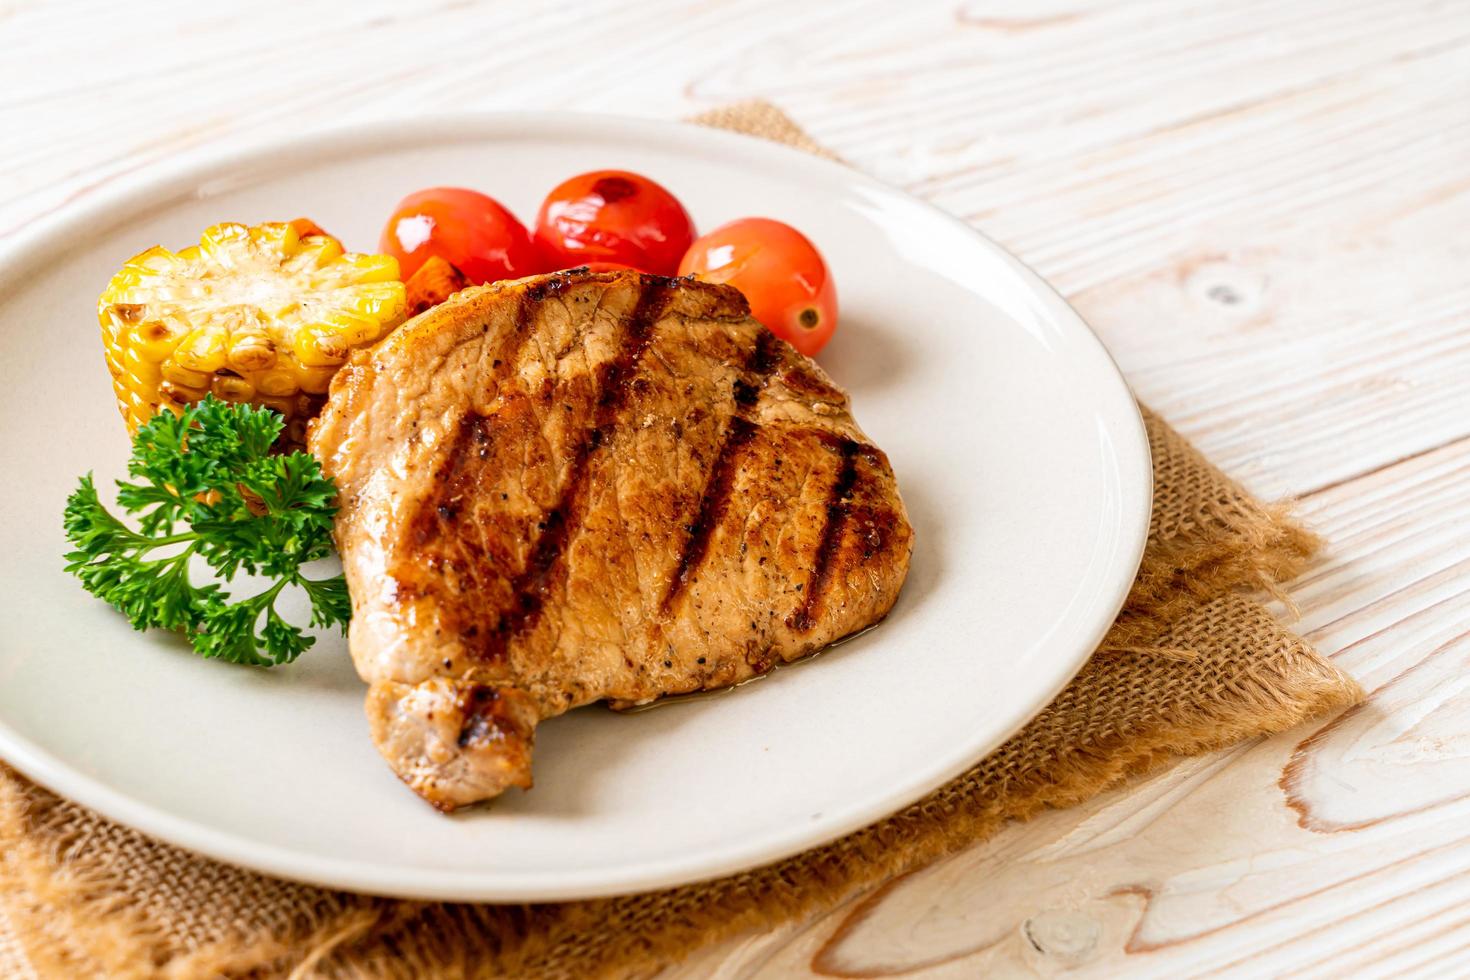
(1019, 451)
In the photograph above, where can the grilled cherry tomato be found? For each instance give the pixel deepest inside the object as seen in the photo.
(613, 216)
(470, 231)
(780, 272)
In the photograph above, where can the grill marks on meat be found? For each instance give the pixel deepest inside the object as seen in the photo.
(529, 589)
(590, 486)
(712, 506)
(615, 384)
(837, 506)
(716, 497)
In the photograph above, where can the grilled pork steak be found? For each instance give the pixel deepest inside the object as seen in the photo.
(590, 486)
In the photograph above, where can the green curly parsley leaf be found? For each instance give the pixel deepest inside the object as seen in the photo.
(205, 484)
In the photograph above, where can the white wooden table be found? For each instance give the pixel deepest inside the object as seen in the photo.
(1264, 209)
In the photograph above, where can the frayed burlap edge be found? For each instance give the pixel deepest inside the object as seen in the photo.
(55, 897)
(1229, 540)
(1165, 588)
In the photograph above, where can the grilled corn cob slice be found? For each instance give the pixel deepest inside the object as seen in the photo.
(263, 314)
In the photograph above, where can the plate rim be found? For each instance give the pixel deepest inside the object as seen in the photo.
(184, 174)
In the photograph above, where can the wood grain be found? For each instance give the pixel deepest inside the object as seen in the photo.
(1264, 209)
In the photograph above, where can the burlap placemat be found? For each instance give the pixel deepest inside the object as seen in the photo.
(1192, 664)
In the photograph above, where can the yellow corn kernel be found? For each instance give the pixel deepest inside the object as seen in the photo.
(150, 262)
(231, 389)
(123, 314)
(276, 383)
(376, 299)
(203, 350)
(251, 348)
(274, 235)
(373, 268)
(136, 366)
(262, 313)
(127, 277)
(182, 376)
(314, 381)
(320, 346)
(155, 340)
(180, 393)
(358, 330)
(226, 245)
(285, 406)
(252, 357)
(322, 252)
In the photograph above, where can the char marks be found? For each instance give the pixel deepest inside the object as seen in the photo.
(456, 477)
(479, 708)
(615, 381)
(758, 367)
(836, 517)
(763, 358)
(454, 481)
(712, 506)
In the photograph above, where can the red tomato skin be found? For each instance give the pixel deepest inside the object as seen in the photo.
(613, 216)
(471, 231)
(782, 274)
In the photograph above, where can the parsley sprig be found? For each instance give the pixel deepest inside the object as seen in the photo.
(205, 484)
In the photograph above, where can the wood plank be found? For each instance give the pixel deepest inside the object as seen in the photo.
(1027, 82)
(1341, 355)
